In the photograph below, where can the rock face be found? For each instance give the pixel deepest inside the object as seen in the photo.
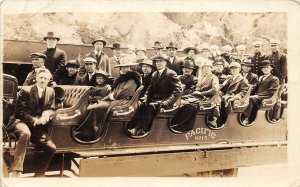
(186, 29)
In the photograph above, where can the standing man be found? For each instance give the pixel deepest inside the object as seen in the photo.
(278, 59)
(257, 58)
(158, 48)
(115, 60)
(90, 67)
(165, 88)
(55, 57)
(175, 62)
(34, 108)
(38, 61)
(226, 53)
(102, 60)
(240, 53)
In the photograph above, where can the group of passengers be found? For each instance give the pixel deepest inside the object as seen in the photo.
(200, 76)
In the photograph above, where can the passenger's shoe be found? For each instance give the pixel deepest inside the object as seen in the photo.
(213, 122)
(140, 132)
(274, 120)
(16, 174)
(246, 121)
(133, 131)
(39, 174)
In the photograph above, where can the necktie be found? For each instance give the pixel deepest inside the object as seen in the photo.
(263, 78)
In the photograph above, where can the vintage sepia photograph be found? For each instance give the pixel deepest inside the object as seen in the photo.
(185, 90)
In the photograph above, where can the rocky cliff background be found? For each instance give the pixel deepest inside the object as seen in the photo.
(143, 29)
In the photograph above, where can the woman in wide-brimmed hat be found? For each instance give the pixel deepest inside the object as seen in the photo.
(123, 89)
(191, 52)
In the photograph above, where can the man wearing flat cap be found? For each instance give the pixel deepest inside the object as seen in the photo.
(278, 59)
(115, 60)
(257, 58)
(164, 90)
(219, 70)
(232, 89)
(90, 67)
(175, 61)
(55, 58)
(266, 87)
(246, 72)
(102, 60)
(70, 74)
(38, 61)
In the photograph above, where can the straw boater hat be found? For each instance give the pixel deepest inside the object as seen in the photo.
(274, 42)
(147, 62)
(51, 36)
(141, 49)
(125, 62)
(89, 60)
(99, 39)
(172, 45)
(186, 50)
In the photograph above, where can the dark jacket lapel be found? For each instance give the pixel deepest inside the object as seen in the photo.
(34, 94)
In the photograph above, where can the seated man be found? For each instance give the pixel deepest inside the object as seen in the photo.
(232, 89)
(123, 89)
(147, 68)
(69, 75)
(165, 88)
(246, 72)
(90, 68)
(34, 108)
(38, 62)
(267, 86)
(219, 70)
(187, 78)
(206, 88)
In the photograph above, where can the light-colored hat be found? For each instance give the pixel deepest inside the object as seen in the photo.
(234, 65)
(99, 39)
(141, 49)
(89, 60)
(207, 63)
(274, 41)
(147, 62)
(257, 43)
(227, 48)
(241, 47)
(125, 62)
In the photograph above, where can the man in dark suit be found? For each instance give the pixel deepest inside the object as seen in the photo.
(165, 88)
(279, 62)
(90, 67)
(266, 87)
(147, 68)
(102, 60)
(34, 108)
(187, 78)
(115, 60)
(175, 61)
(232, 89)
(257, 58)
(246, 72)
(55, 58)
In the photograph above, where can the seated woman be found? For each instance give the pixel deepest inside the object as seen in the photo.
(123, 89)
(100, 81)
(206, 88)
